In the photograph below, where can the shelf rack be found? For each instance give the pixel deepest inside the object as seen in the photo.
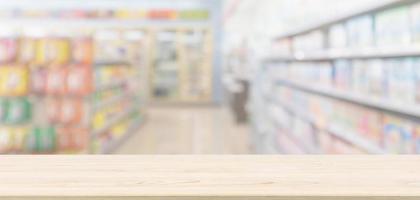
(377, 7)
(340, 132)
(325, 54)
(365, 53)
(364, 100)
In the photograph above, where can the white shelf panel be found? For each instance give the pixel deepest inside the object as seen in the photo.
(363, 53)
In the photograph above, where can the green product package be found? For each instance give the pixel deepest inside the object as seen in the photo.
(46, 139)
(18, 111)
(3, 109)
(41, 139)
(31, 141)
(194, 14)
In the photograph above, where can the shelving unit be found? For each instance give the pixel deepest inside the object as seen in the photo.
(63, 83)
(182, 69)
(351, 82)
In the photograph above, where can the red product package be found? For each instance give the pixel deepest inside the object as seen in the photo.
(64, 139)
(56, 81)
(8, 49)
(80, 138)
(53, 110)
(72, 111)
(38, 81)
(73, 138)
(79, 80)
(82, 51)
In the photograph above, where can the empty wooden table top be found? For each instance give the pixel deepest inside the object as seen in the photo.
(209, 177)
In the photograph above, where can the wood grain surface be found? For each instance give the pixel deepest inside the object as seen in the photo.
(210, 177)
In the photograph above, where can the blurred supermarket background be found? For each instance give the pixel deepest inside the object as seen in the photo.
(210, 77)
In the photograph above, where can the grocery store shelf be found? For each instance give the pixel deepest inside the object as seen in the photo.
(353, 138)
(112, 85)
(111, 63)
(117, 143)
(363, 100)
(348, 136)
(109, 102)
(370, 8)
(365, 53)
(112, 122)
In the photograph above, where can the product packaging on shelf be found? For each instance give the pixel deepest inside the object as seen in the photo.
(53, 109)
(72, 111)
(393, 27)
(337, 37)
(19, 138)
(79, 80)
(401, 81)
(415, 22)
(376, 78)
(59, 51)
(72, 139)
(56, 80)
(8, 49)
(18, 111)
(14, 81)
(398, 135)
(3, 109)
(343, 74)
(39, 81)
(416, 68)
(5, 139)
(359, 77)
(42, 140)
(360, 32)
(417, 139)
(82, 51)
(27, 50)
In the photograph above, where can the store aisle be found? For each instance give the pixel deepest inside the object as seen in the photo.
(189, 130)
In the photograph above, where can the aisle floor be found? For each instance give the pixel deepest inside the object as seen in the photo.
(188, 130)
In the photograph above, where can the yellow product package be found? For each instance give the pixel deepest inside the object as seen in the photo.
(14, 81)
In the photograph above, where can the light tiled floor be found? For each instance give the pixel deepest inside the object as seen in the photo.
(188, 130)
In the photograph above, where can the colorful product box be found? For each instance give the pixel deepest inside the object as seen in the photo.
(82, 51)
(70, 138)
(415, 22)
(401, 81)
(42, 139)
(71, 111)
(27, 50)
(393, 27)
(337, 37)
(397, 134)
(5, 140)
(79, 80)
(3, 109)
(360, 32)
(376, 78)
(53, 109)
(8, 49)
(56, 80)
(343, 74)
(14, 81)
(39, 81)
(18, 111)
(19, 135)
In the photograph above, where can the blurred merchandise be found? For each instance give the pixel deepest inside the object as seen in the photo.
(351, 89)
